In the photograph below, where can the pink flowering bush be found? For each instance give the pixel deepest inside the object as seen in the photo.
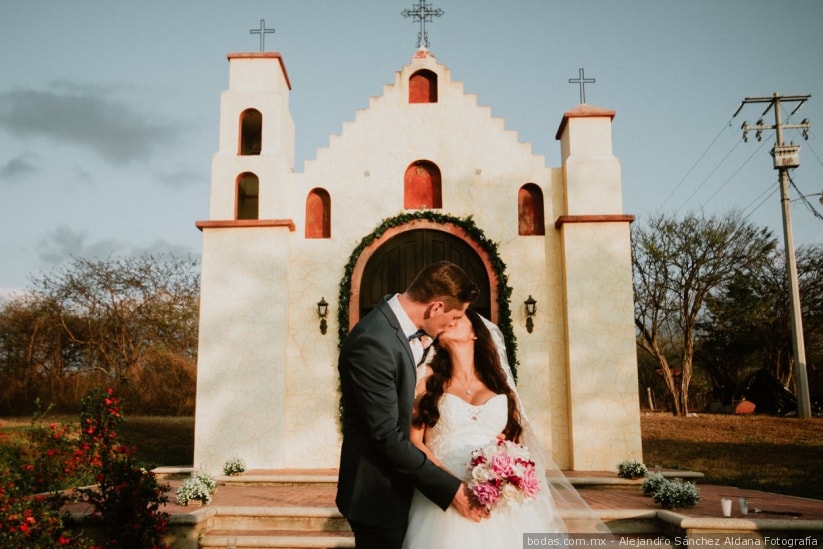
(503, 474)
(127, 498)
(37, 470)
(36, 465)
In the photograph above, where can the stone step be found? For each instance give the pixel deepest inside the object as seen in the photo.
(279, 478)
(301, 519)
(270, 539)
(295, 509)
(258, 522)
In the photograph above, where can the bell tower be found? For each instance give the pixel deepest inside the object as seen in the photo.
(598, 300)
(245, 261)
(256, 139)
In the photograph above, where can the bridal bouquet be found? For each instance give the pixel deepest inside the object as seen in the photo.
(503, 474)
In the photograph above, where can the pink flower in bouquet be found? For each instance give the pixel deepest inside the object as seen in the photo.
(503, 474)
(487, 494)
(529, 484)
(501, 465)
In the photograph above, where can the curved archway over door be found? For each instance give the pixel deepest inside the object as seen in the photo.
(392, 267)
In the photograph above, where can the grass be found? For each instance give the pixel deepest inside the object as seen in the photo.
(781, 455)
(161, 440)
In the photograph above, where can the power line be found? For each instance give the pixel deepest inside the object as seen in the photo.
(761, 199)
(696, 162)
(735, 172)
(717, 167)
(819, 161)
(805, 200)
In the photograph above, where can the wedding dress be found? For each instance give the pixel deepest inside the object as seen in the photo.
(463, 427)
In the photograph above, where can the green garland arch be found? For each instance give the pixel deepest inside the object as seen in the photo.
(504, 291)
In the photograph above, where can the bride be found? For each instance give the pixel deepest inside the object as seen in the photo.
(466, 398)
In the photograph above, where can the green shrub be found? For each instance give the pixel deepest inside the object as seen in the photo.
(651, 483)
(676, 494)
(631, 469)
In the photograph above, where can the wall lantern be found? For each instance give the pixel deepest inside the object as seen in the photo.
(531, 309)
(322, 311)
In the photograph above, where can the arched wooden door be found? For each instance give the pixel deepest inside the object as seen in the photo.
(394, 264)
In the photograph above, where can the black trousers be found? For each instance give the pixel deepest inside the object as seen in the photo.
(368, 536)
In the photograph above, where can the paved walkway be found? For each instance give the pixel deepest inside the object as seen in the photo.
(764, 505)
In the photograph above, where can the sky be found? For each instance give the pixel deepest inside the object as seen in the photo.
(109, 109)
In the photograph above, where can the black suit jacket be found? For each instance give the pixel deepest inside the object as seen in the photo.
(379, 466)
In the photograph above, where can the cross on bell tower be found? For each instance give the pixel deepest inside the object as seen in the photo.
(582, 81)
(262, 31)
(423, 13)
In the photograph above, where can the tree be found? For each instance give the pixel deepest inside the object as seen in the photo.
(128, 306)
(36, 355)
(745, 328)
(747, 323)
(677, 264)
(125, 321)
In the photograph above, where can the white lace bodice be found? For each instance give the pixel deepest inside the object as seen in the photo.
(464, 427)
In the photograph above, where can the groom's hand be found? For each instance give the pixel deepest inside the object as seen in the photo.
(467, 506)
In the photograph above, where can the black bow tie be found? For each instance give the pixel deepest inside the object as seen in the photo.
(417, 335)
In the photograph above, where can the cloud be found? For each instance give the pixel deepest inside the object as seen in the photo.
(64, 244)
(178, 179)
(18, 167)
(87, 117)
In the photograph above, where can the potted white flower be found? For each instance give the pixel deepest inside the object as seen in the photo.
(652, 483)
(197, 489)
(234, 466)
(676, 494)
(631, 469)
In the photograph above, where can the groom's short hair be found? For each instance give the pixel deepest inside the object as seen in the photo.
(443, 281)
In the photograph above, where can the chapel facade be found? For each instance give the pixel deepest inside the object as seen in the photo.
(424, 173)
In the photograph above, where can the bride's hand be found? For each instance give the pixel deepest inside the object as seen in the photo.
(467, 506)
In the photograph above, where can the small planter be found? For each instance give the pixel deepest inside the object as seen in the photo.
(676, 494)
(199, 488)
(652, 483)
(234, 467)
(631, 469)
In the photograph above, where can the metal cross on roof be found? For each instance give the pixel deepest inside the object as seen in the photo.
(262, 31)
(423, 13)
(582, 81)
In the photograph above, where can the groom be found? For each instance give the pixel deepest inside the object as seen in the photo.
(379, 467)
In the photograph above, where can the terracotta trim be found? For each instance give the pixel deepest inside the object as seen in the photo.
(617, 218)
(454, 230)
(262, 55)
(245, 224)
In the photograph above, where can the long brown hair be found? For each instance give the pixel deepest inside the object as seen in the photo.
(489, 371)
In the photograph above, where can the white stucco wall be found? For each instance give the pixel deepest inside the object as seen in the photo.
(260, 346)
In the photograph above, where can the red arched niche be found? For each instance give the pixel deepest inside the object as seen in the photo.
(318, 214)
(423, 87)
(483, 259)
(422, 186)
(530, 211)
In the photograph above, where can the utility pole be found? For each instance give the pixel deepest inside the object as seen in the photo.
(786, 157)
